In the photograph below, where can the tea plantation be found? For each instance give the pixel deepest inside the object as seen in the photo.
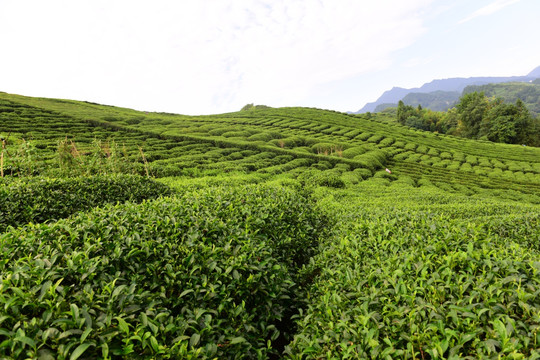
(267, 233)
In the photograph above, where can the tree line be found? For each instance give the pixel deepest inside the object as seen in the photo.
(476, 116)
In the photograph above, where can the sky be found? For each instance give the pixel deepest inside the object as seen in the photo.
(214, 56)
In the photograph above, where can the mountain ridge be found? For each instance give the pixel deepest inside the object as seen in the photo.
(451, 84)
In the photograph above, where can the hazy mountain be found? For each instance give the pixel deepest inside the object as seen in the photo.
(436, 100)
(535, 73)
(446, 85)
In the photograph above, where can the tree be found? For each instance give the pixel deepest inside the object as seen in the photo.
(449, 122)
(401, 112)
(502, 129)
(471, 109)
(406, 111)
(508, 123)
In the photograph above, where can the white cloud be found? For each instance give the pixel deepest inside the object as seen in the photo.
(195, 56)
(420, 61)
(489, 9)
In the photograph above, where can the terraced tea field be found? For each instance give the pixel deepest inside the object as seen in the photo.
(268, 233)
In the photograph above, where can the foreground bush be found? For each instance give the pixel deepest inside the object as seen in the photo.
(209, 274)
(37, 200)
(400, 283)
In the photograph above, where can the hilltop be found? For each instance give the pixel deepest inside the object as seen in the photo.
(266, 233)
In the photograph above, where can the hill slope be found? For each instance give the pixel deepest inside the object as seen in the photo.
(290, 134)
(292, 232)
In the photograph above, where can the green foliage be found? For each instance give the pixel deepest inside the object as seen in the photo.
(471, 109)
(248, 107)
(495, 120)
(372, 160)
(328, 149)
(327, 178)
(36, 199)
(352, 152)
(476, 116)
(25, 160)
(400, 282)
(510, 92)
(421, 264)
(207, 274)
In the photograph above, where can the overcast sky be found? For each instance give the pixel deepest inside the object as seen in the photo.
(215, 56)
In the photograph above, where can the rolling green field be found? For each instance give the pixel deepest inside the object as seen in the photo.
(266, 233)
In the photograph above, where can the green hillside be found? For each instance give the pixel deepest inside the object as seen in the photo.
(529, 93)
(292, 233)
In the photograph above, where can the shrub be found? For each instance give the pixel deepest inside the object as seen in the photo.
(290, 142)
(330, 179)
(498, 164)
(265, 136)
(37, 200)
(404, 180)
(362, 174)
(364, 136)
(350, 153)
(446, 155)
(455, 165)
(484, 162)
(471, 159)
(322, 165)
(327, 149)
(414, 157)
(386, 142)
(458, 156)
(209, 274)
(372, 159)
(236, 134)
(404, 155)
(375, 139)
(327, 178)
(411, 146)
(466, 167)
(342, 167)
(382, 174)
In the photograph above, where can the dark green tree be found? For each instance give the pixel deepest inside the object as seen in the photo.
(471, 109)
(404, 112)
(507, 123)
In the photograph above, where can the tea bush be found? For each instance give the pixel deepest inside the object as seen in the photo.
(26, 200)
(396, 282)
(208, 274)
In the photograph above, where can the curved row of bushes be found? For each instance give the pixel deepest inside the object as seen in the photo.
(36, 199)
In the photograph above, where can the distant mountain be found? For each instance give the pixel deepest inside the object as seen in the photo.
(437, 100)
(447, 85)
(535, 73)
(384, 106)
